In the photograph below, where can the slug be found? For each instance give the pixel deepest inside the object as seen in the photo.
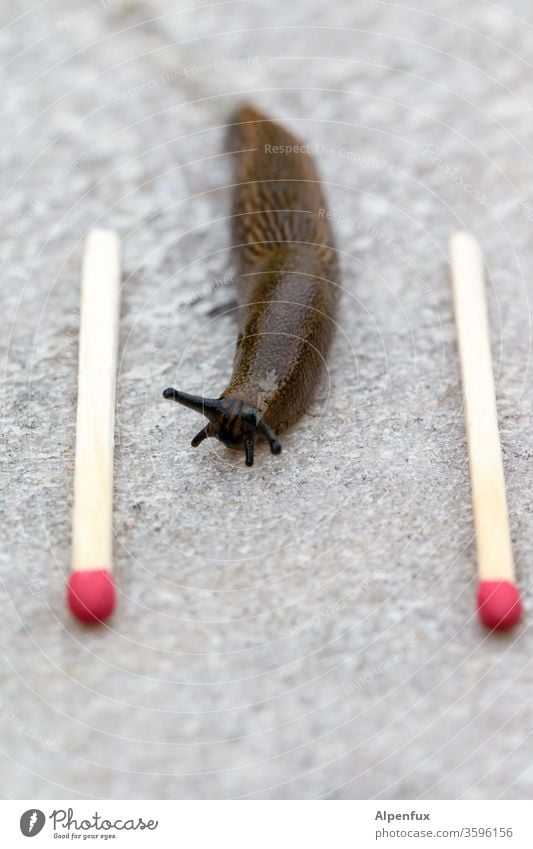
(287, 279)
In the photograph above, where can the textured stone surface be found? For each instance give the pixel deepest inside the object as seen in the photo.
(305, 628)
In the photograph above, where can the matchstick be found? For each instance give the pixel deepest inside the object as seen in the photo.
(498, 597)
(91, 591)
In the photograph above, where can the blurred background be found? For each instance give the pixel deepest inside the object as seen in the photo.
(305, 628)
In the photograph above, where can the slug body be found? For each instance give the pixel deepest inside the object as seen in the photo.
(287, 282)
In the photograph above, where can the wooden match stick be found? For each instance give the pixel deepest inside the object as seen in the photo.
(91, 591)
(498, 597)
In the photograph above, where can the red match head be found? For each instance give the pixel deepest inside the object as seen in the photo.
(91, 595)
(498, 604)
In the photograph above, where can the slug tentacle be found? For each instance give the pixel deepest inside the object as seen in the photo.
(249, 449)
(287, 281)
(203, 434)
(231, 421)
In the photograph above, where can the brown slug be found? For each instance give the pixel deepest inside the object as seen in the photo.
(287, 281)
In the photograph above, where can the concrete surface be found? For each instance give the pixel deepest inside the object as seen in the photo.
(302, 629)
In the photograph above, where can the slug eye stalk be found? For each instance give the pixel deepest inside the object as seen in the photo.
(231, 421)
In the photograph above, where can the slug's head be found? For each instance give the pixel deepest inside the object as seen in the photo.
(233, 422)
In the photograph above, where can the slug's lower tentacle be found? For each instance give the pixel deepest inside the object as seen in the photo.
(287, 281)
(249, 449)
(206, 432)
